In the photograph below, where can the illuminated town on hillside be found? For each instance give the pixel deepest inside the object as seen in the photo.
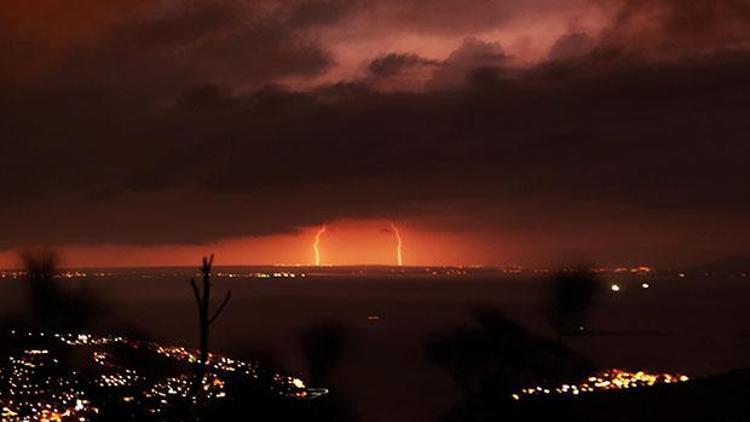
(614, 379)
(56, 376)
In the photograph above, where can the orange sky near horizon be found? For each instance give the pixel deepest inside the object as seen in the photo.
(372, 242)
(347, 242)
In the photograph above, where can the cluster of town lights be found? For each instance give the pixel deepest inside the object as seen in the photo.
(39, 387)
(32, 393)
(613, 379)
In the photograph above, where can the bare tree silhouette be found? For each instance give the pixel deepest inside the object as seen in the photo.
(203, 301)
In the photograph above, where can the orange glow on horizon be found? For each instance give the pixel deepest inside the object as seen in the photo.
(347, 242)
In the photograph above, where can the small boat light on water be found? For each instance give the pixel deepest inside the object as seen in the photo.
(615, 287)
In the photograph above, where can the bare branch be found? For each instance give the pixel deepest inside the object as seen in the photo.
(196, 293)
(208, 262)
(221, 307)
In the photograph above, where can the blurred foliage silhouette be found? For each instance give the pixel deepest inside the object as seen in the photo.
(495, 357)
(52, 305)
(324, 347)
(570, 298)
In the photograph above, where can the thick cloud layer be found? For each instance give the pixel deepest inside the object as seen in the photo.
(184, 122)
(674, 27)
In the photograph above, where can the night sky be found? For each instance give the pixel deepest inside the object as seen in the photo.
(535, 132)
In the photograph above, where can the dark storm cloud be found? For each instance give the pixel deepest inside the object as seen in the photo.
(466, 16)
(199, 45)
(669, 27)
(400, 72)
(473, 58)
(571, 46)
(273, 160)
(395, 63)
(172, 129)
(308, 13)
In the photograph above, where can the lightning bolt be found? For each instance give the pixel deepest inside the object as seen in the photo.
(316, 245)
(399, 252)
